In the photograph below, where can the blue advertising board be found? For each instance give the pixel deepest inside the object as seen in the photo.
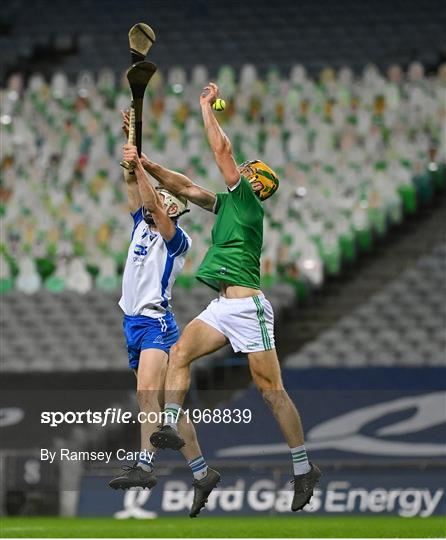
(372, 414)
(384, 429)
(401, 493)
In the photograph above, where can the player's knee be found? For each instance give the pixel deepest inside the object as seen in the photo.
(179, 356)
(273, 397)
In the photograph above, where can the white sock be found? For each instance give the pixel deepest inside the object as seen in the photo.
(145, 462)
(300, 460)
(172, 414)
(198, 467)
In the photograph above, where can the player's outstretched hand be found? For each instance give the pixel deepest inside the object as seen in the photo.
(209, 94)
(125, 122)
(130, 154)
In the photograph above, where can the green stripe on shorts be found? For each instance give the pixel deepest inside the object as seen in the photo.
(261, 318)
(262, 329)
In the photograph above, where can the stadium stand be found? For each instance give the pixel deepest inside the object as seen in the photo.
(355, 155)
(368, 275)
(73, 332)
(318, 32)
(402, 325)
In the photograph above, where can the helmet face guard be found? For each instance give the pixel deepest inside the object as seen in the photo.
(257, 171)
(169, 200)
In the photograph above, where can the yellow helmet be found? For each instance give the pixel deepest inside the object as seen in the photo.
(257, 171)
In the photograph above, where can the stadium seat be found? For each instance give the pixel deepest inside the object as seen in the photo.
(395, 327)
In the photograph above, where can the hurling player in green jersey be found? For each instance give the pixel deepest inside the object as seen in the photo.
(241, 315)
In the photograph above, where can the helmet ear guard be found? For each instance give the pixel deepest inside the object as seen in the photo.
(258, 171)
(170, 199)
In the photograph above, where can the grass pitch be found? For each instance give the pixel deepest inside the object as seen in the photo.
(222, 527)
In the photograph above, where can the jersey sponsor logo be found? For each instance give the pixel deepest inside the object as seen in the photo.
(140, 250)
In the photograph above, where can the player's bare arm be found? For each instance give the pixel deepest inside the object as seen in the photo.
(150, 198)
(133, 195)
(173, 181)
(179, 184)
(217, 138)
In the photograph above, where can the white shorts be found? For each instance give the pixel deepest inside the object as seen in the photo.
(248, 323)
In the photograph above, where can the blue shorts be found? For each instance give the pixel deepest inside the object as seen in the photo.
(143, 332)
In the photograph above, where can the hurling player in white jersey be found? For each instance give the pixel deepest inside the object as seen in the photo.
(156, 256)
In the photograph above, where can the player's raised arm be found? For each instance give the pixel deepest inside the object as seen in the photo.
(133, 195)
(175, 182)
(217, 138)
(179, 184)
(149, 196)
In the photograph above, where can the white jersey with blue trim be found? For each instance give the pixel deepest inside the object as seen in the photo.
(151, 269)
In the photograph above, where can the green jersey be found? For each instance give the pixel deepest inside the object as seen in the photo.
(237, 238)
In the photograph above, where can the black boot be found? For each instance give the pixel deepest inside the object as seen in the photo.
(133, 476)
(202, 490)
(304, 485)
(167, 437)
